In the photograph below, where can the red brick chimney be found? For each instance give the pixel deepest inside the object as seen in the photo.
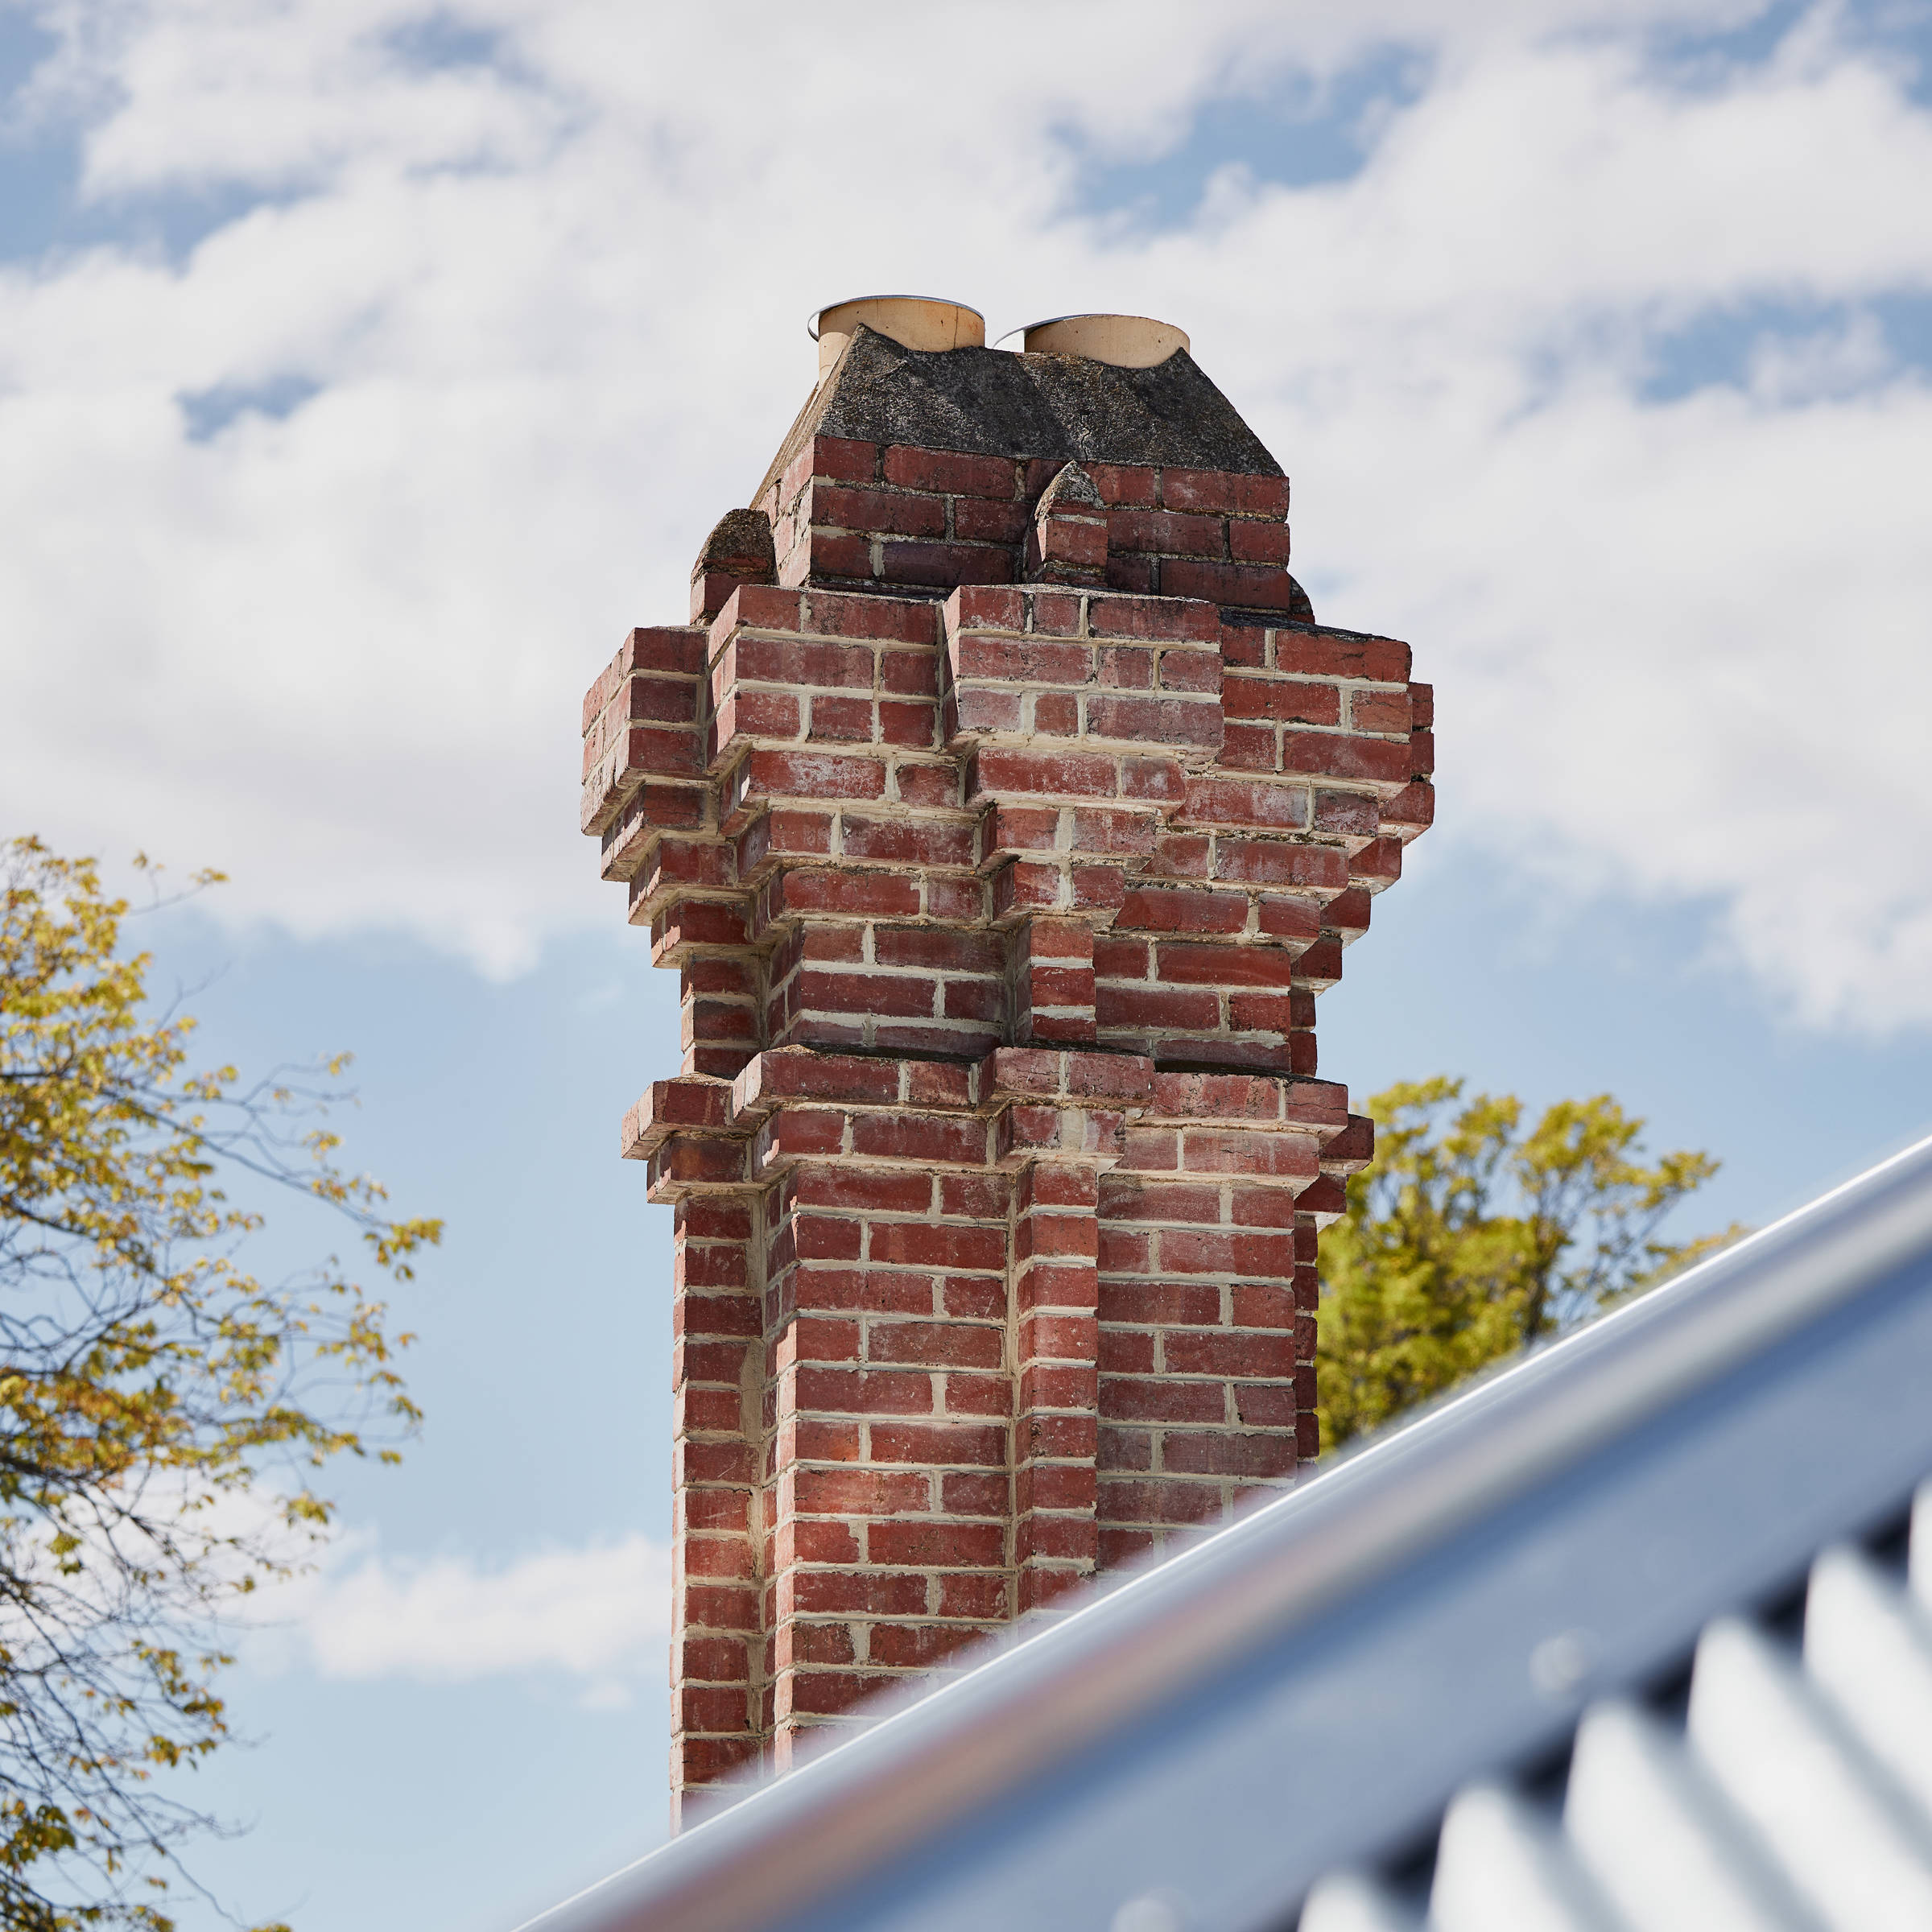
(1003, 808)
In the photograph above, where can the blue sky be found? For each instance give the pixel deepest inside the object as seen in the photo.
(366, 368)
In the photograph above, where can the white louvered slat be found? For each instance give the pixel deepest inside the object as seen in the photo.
(1872, 1654)
(1763, 1733)
(1345, 1901)
(1922, 1547)
(1500, 1863)
(1659, 1841)
(1798, 1798)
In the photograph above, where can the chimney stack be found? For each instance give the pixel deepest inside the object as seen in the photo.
(1003, 809)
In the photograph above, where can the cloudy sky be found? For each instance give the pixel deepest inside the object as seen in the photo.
(367, 367)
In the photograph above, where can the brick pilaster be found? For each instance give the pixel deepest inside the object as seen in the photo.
(1056, 1365)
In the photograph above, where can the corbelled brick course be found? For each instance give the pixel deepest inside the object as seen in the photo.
(1002, 839)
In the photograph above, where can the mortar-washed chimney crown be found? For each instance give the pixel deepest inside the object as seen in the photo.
(990, 402)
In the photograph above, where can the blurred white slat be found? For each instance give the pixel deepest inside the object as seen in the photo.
(1345, 1901)
(1922, 1547)
(1871, 1653)
(1768, 1744)
(1658, 1842)
(1501, 1864)
(1799, 1799)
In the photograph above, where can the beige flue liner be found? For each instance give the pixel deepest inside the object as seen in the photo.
(912, 321)
(1127, 341)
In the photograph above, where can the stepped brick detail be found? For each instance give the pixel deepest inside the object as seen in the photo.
(1003, 835)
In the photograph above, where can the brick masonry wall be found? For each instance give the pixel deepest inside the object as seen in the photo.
(999, 1150)
(880, 514)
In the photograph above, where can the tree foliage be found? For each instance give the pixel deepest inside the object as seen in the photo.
(162, 1411)
(1467, 1238)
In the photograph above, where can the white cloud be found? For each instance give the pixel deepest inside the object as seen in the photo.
(601, 1614)
(554, 307)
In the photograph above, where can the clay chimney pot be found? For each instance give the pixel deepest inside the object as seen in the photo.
(1127, 341)
(920, 322)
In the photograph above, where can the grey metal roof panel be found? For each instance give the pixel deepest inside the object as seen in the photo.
(1409, 1638)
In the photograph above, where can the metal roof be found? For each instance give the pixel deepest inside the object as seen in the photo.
(1628, 1615)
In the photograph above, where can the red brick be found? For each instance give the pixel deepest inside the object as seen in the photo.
(872, 895)
(1284, 701)
(1057, 715)
(1159, 1399)
(972, 1594)
(1236, 1150)
(1199, 1251)
(1324, 654)
(1167, 534)
(1182, 1009)
(865, 993)
(1185, 669)
(1068, 773)
(909, 1644)
(978, 520)
(1264, 1405)
(974, 654)
(897, 511)
(1056, 1335)
(1121, 484)
(1179, 721)
(795, 1642)
(948, 472)
(937, 1244)
(1155, 1304)
(891, 620)
(1254, 1355)
(858, 1491)
(1150, 1501)
(1280, 862)
(704, 1707)
(1126, 1449)
(834, 1593)
(1179, 909)
(862, 1189)
(1379, 710)
(935, 1344)
(1166, 618)
(1250, 586)
(1289, 918)
(1225, 965)
(1260, 1307)
(944, 564)
(850, 1392)
(820, 1692)
(1158, 780)
(813, 775)
(939, 1443)
(936, 1545)
(975, 1495)
(848, 719)
(841, 457)
(1127, 1197)
(1252, 541)
(1333, 754)
(1250, 747)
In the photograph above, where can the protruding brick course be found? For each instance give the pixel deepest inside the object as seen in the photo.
(1002, 844)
